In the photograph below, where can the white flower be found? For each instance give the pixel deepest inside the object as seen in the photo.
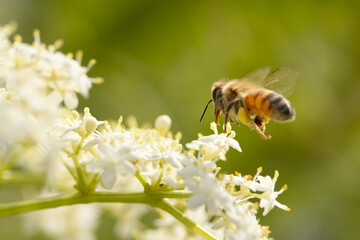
(39, 70)
(201, 181)
(195, 167)
(21, 132)
(202, 218)
(115, 136)
(207, 191)
(116, 161)
(242, 181)
(243, 218)
(268, 197)
(167, 150)
(215, 145)
(71, 126)
(170, 177)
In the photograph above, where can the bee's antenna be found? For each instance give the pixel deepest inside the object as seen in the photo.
(205, 110)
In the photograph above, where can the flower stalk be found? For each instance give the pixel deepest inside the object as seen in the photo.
(165, 206)
(14, 208)
(155, 200)
(81, 183)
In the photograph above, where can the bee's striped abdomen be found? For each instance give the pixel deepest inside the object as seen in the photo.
(269, 104)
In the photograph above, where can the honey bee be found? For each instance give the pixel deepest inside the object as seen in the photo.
(256, 98)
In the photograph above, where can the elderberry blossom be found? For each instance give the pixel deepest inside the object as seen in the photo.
(268, 197)
(41, 133)
(52, 70)
(116, 161)
(215, 145)
(201, 181)
(34, 80)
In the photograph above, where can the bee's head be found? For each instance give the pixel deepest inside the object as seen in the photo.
(217, 98)
(216, 94)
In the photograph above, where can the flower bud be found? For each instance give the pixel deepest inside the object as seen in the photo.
(91, 124)
(70, 100)
(162, 124)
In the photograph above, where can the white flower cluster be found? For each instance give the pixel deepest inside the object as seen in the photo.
(34, 81)
(41, 133)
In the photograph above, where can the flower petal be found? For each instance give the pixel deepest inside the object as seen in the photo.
(108, 178)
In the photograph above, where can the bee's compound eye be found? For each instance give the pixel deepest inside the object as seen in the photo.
(215, 92)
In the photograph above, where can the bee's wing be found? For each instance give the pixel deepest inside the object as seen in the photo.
(282, 80)
(258, 76)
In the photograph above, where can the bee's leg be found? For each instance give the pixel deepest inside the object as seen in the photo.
(260, 123)
(227, 110)
(231, 120)
(245, 118)
(225, 121)
(217, 113)
(259, 131)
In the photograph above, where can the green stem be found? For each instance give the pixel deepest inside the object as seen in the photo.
(164, 205)
(158, 181)
(155, 200)
(79, 171)
(81, 177)
(70, 170)
(142, 180)
(8, 209)
(7, 164)
(171, 195)
(20, 178)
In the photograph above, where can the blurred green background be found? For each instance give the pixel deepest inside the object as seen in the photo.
(161, 57)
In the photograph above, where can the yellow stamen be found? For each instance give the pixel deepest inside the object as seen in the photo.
(120, 120)
(97, 80)
(91, 63)
(178, 136)
(232, 134)
(178, 148)
(75, 114)
(79, 56)
(174, 144)
(266, 231)
(17, 39)
(248, 177)
(9, 28)
(58, 43)
(87, 112)
(276, 175)
(36, 34)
